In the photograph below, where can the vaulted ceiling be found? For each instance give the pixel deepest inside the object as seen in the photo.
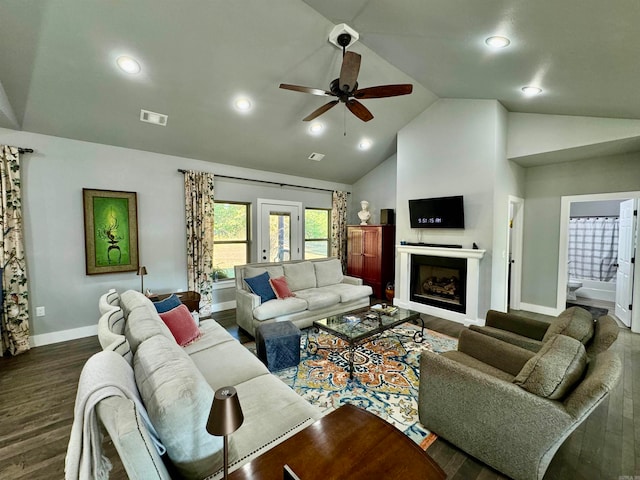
(58, 73)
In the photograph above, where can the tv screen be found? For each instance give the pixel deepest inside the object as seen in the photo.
(442, 212)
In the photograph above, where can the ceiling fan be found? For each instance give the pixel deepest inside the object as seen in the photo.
(345, 88)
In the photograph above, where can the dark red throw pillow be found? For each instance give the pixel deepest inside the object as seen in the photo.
(281, 288)
(181, 324)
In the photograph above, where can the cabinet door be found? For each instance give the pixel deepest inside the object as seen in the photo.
(371, 245)
(354, 252)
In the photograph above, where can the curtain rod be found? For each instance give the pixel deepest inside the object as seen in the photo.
(25, 150)
(269, 182)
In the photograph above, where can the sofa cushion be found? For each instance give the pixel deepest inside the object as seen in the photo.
(328, 273)
(260, 286)
(211, 334)
(300, 275)
(275, 308)
(318, 298)
(281, 288)
(130, 300)
(142, 324)
(169, 303)
(574, 322)
(108, 301)
(178, 401)
(553, 371)
(110, 334)
(181, 324)
(348, 292)
(274, 271)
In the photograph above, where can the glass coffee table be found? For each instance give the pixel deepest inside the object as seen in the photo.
(362, 325)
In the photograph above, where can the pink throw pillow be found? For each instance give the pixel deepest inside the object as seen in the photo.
(181, 324)
(281, 288)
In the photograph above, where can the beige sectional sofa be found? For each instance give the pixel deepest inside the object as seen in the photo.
(319, 286)
(177, 384)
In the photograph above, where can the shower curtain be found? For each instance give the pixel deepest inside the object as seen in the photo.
(593, 248)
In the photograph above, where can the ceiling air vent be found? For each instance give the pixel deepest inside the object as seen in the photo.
(153, 117)
(316, 156)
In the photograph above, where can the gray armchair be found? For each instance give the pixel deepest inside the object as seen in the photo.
(480, 398)
(596, 335)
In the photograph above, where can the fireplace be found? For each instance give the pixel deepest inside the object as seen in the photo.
(439, 281)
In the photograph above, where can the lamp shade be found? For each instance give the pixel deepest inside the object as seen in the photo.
(142, 270)
(226, 414)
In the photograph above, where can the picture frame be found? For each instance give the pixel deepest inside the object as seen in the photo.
(110, 231)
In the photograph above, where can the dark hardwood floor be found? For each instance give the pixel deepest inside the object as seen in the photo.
(38, 388)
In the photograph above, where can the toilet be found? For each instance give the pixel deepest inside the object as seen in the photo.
(572, 286)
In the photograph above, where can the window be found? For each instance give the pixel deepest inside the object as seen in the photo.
(316, 232)
(230, 237)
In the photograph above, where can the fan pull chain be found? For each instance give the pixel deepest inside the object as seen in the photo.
(344, 120)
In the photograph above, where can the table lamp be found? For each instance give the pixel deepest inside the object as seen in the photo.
(225, 418)
(142, 271)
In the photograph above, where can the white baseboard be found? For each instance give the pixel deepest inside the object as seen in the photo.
(63, 335)
(218, 307)
(530, 307)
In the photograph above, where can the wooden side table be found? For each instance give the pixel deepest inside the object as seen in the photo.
(190, 299)
(347, 443)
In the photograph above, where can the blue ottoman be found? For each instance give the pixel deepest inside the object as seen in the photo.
(278, 345)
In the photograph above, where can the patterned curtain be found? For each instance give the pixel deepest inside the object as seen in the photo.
(198, 199)
(15, 296)
(339, 227)
(593, 248)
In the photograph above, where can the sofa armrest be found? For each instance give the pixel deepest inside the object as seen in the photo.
(527, 327)
(351, 280)
(245, 303)
(502, 355)
(495, 421)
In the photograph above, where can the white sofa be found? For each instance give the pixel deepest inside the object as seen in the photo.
(320, 288)
(177, 384)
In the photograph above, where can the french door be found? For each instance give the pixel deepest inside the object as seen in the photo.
(279, 230)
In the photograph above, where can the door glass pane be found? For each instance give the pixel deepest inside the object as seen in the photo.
(279, 237)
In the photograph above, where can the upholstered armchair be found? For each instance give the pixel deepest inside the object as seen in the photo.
(596, 335)
(507, 406)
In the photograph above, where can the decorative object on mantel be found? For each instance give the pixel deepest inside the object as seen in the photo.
(225, 418)
(389, 292)
(111, 231)
(364, 215)
(142, 271)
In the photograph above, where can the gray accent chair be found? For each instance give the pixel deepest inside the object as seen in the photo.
(531, 334)
(476, 399)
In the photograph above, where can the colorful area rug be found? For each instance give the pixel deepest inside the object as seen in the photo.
(386, 375)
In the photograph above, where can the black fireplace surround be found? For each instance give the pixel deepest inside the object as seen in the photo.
(439, 281)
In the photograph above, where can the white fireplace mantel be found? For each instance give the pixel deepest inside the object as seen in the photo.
(403, 294)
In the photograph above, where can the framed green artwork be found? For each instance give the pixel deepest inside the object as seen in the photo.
(110, 231)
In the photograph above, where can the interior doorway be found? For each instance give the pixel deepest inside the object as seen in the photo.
(514, 256)
(622, 292)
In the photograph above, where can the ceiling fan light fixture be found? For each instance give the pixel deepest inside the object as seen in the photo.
(365, 144)
(242, 104)
(128, 64)
(316, 128)
(531, 91)
(497, 41)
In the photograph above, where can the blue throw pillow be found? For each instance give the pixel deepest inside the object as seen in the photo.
(169, 303)
(260, 286)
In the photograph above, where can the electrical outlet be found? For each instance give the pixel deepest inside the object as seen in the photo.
(39, 311)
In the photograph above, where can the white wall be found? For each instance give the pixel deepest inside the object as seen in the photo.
(454, 148)
(378, 187)
(53, 178)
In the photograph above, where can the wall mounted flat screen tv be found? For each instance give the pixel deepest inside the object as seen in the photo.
(441, 212)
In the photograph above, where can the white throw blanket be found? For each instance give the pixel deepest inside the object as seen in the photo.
(105, 374)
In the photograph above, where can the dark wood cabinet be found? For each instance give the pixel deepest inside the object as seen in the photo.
(371, 255)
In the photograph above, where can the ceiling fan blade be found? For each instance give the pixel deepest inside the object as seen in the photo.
(383, 91)
(349, 71)
(316, 113)
(359, 110)
(313, 91)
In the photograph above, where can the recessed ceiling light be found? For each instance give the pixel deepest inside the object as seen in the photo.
(242, 103)
(531, 91)
(497, 41)
(316, 128)
(128, 64)
(365, 144)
